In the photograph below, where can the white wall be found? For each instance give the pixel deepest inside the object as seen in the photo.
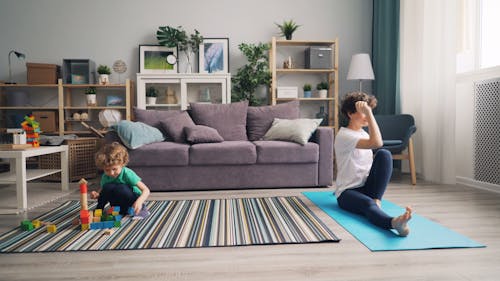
(49, 31)
(464, 126)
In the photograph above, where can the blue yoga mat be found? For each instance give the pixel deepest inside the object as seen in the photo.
(424, 234)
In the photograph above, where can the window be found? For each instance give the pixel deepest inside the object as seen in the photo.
(478, 43)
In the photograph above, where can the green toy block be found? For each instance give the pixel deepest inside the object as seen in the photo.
(118, 223)
(27, 225)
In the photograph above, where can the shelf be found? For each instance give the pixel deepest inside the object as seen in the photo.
(94, 107)
(305, 43)
(305, 99)
(31, 174)
(83, 86)
(29, 107)
(29, 85)
(301, 70)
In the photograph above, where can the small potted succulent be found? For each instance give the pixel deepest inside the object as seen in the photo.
(90, 93)
(104, 72)
(287, 28)
(151, 95)
(322, 88)
(307, 90)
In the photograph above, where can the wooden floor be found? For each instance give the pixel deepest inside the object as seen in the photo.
(471, 212)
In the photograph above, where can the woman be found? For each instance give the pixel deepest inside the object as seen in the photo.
(361, 178)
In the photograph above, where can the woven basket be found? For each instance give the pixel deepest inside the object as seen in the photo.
(81, 160)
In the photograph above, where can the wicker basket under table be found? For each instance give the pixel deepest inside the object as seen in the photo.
(81, 160)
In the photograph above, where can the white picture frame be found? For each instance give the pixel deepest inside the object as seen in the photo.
(153, 59)
(214, 55)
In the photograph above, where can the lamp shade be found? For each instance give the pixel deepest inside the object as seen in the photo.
(360, 68)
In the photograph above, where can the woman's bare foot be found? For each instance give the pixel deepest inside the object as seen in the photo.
(401, 223)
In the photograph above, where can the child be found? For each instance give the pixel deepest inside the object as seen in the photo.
(361, 178)
(120, 186)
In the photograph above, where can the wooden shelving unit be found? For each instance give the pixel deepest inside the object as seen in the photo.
(332, 75)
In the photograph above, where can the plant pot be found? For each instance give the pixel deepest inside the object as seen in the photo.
(323, 94)
(91, 100)
(103, 79)
(307, 94)
(150, 100)
(288, 37)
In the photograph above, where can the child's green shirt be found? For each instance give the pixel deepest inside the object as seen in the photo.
(127, 176)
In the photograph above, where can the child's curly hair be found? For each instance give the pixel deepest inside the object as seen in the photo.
(349, 102)
(111, 154)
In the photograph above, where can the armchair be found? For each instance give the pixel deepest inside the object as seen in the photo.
(396, 133)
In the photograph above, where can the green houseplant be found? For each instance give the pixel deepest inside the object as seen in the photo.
(287, 28)
(307, 90)
(90, 94)
(104, 72)
(322, 88)
(177, 37)
(252, 75)
(151, 95)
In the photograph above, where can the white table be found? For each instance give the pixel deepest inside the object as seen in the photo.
(19, 175)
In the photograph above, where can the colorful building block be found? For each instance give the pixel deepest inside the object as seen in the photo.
(97, 212)
(51, 228)
(27, 225)
(36, 223)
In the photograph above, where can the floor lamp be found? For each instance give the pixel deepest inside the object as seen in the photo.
(360, 69)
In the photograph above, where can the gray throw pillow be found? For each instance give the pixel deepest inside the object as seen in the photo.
(154, 117)
(174, 126)
(136, 134)
(202, 134)
(295, 130)
(260, 118)
(228, 119)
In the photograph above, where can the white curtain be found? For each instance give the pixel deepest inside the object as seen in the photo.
(428, 63)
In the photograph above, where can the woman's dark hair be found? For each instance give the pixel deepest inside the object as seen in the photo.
(349, 102)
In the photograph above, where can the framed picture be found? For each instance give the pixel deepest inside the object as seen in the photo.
(157, 59)
(214, 55)
(114, 101)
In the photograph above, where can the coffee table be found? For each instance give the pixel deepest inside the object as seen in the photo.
(19, 175)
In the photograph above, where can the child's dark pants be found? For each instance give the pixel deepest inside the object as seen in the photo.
(117, 194)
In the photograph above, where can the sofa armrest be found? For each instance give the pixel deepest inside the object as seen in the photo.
(324, 137)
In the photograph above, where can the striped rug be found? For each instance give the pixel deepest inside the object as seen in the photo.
(180, 224)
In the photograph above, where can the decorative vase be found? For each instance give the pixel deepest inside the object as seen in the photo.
(91, 100)
(151, 100)
(307, 94)
(103, 79)
(171, 98)
(323, 115)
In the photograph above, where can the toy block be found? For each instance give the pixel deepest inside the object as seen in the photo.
(85, 220)
(36, 223)
(117, 224)
(115, 213)
(98, 212)
(27, 225)
(97, 219)
(51, 228)
(131, 211)
(109, 224)
(85, 226)
(118, 217)
(108, 218)
(95, 225)
(109, 211)
(84, 213)
(116, 208)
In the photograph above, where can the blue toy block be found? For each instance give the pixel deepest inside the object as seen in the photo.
(118, 217)
(116, 209)
(131, 211)
(109, 224)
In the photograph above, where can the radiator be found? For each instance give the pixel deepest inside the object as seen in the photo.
(486, 127)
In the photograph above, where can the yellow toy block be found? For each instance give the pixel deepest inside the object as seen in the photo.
(98, 212)
(85, 226)
(51, 228)
(36, 223)
(115, 213)
(97, 219)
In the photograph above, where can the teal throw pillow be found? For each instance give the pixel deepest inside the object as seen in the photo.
(293, 130)
(136, 134)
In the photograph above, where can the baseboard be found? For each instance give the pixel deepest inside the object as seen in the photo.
(478, 184)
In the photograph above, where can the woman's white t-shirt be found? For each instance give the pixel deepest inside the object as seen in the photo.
(353, 164)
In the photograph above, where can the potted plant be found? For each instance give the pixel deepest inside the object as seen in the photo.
(104, 72)
(287, 28)
(253, 76)
(151, 95)
(177, 37)
(307, 90)
(322, 88)
(90, 93)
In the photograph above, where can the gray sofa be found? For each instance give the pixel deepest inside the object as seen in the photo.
(233, 163)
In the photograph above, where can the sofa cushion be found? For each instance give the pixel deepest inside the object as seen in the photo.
(272, 152)
(228, 119)
(296, 130)
(154, 117)
(160, 154)
(223, 153)
(174, 126)
(136, 134)
(260, 118)
(202, 134)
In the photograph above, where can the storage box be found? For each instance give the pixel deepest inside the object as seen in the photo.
(47, 120)
(81, 160)
(78, 71)
(43, 73)
(318, 57)
(287, 92)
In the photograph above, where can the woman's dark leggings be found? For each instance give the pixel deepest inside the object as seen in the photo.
(117, 194)
(361, 200)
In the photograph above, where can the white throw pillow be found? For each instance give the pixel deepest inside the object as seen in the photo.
(295, 130)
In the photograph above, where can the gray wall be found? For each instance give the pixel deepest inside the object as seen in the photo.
(105, 31)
